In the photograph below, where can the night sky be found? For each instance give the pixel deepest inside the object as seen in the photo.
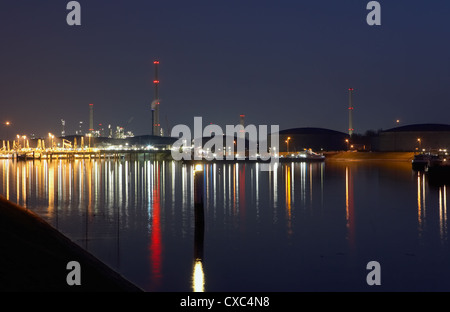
(287, 63)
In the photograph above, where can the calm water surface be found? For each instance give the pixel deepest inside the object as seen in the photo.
(301, 227)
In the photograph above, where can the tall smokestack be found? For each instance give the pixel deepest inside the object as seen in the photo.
(350, 111)
(91, 117)
(155, 105)
(63, 130)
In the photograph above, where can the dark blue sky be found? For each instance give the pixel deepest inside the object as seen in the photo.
(288, 63)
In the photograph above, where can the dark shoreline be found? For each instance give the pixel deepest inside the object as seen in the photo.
(34, 256)
(369, 156)
(329, 156)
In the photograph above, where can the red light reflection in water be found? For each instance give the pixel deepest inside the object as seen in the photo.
(155, 236)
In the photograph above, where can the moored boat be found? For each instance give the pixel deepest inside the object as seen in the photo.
(438, 170)
(423, 161)
(307, 155)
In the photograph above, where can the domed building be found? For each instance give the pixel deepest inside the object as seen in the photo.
(414, 138)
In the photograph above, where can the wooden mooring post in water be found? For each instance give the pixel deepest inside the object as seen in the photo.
(199, 212)
(198, 280)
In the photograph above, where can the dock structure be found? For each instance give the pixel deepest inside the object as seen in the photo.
(87, 147)
(87, 153)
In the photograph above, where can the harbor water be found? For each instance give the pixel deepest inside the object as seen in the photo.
(300, 227)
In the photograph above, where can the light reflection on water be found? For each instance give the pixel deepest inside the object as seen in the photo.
(301, 227)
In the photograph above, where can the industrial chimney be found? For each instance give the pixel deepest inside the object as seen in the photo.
(91, 117)
(63, 130)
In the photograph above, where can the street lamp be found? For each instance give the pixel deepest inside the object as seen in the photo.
(24, 137)
(7, 124)
(89, 135)
(420, 143)
(287, 144)
(51, 136)
(347, 141)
